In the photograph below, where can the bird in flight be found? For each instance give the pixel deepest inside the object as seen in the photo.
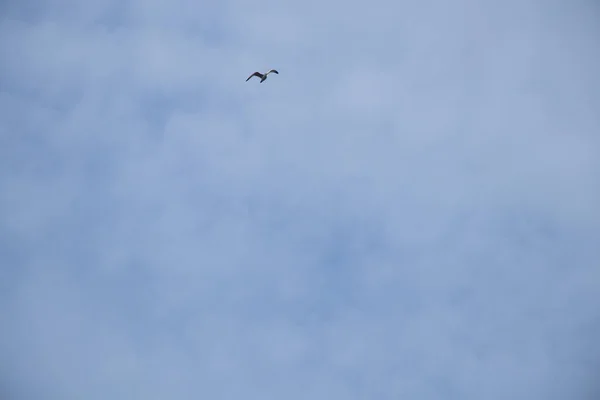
(262, 76)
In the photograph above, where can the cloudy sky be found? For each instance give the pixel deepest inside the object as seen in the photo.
(410, 209)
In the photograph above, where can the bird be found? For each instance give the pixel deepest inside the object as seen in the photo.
(262, 76)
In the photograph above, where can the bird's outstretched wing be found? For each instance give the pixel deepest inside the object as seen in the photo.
(255, 74)
(274, 71)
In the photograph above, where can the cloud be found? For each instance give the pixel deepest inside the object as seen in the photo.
(407, 209)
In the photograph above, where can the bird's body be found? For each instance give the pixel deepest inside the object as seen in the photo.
(262, 76)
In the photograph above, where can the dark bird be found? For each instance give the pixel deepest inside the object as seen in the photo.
(262, 76)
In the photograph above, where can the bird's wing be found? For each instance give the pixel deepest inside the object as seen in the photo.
(274, 71)
(255, 74)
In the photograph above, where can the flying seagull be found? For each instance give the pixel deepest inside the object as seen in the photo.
(262, 76)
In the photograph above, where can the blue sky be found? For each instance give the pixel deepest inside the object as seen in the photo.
(408, 210)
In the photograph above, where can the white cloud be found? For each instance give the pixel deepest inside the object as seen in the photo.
(408, 208)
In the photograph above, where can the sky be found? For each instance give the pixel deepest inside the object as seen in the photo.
(408, 210)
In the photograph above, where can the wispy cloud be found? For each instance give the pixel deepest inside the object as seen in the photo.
(409, 209)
